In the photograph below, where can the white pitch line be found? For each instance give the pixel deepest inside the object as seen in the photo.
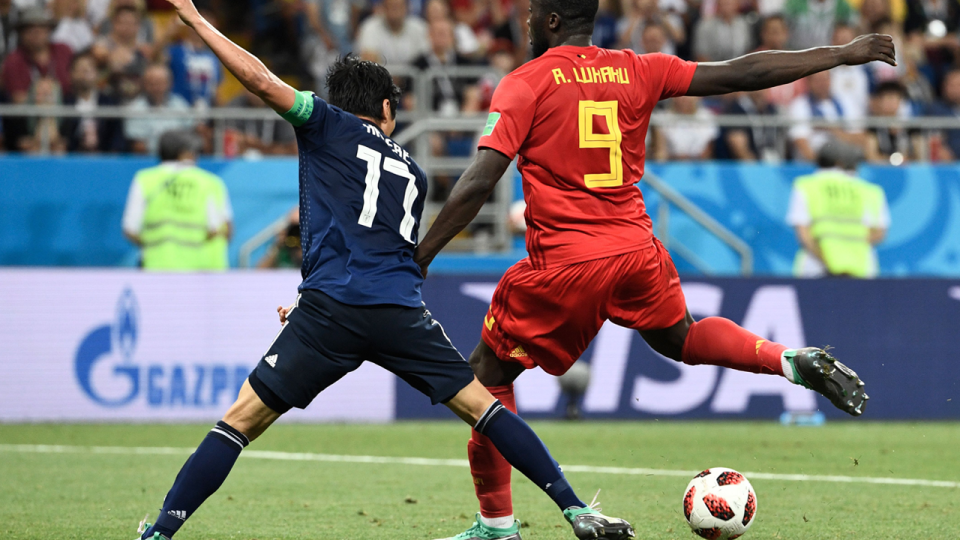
(431, 462)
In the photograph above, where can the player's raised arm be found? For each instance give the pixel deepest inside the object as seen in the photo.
(773, 68)
(247, 68)
(467, 197)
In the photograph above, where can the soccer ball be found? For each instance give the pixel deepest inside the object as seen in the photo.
(719, 504)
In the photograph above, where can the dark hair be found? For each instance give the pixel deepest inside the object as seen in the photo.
(124, 8)
(174, 143)
(890, 87)
(360, 86)
(579, 14)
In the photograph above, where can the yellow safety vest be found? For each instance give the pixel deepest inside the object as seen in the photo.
(175, 232)
(215, 249)
(837, 204)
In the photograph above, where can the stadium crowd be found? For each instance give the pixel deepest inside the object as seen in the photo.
(134, 53)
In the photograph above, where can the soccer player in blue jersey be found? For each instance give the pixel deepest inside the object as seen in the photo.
(361, 197)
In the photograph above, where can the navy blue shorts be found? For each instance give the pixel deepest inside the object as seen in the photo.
(324, 339)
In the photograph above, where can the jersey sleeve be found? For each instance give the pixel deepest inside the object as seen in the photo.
(511, 115)
(305, 109)
(308, 116)
(665, 76)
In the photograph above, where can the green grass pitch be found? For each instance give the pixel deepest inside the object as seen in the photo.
(87, 495)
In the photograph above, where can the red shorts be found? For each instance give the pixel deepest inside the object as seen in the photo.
(548, 317)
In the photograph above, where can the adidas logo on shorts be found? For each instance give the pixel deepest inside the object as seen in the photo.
(272, 360)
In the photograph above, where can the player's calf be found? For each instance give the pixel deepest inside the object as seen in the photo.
(207, 468)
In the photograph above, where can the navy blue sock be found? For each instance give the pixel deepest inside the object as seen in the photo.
(521, 447)
(200, 477)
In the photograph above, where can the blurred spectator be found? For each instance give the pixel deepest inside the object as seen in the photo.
(8, 25)
(97, 11)
(318, 46)
(893, 144)
(144, 133)
(774, 36)
(449, 92)
(818, 104)
(643, 12)
(73, 29)
(500, 57)
(881, 71)
(145, 31)
(257, 137)
(340, 20)
(286, 252)
(724, 36)
(89, 133)
(838, 218)
(35, 57)
(513, 28)
(126, 85)
(43, 133)
(687, 131)
(849, 83)
(874, 11)
(932, 25)
(120, 50)
(811, 21)
(197, 72)
(654, 38)
(392, 37)
(178, 214)
(754, 142)
(949, 107)
(466, 42)
(605, 33)
(278, 35)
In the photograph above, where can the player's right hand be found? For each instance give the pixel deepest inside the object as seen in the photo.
(283, 311)
(869, 48)
(186, 10)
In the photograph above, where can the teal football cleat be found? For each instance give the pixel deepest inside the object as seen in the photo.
(820, 372)
(589, 524)
(479, 531)
(143, 528)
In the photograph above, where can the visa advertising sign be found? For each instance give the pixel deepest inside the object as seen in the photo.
(122, 345)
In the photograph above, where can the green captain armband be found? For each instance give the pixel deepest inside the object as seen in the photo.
(301, 110)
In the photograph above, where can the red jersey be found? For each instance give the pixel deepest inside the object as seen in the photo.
(578, 118)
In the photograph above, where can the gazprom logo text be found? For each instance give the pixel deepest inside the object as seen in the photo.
(107, 371)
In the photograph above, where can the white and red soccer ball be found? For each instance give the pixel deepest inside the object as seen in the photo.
(719, 504)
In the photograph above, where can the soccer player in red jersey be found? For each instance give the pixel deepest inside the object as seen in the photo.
(577, 116)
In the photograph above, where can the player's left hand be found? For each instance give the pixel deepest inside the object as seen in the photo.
(869, 48)
(283, 311)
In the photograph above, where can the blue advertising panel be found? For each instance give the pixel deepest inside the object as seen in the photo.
(899, 335)
(66, 212)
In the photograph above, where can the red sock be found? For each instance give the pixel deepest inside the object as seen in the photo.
(491, 473)
(720, 342)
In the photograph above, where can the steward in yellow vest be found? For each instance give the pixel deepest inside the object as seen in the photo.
(838, 219)
(178, 214)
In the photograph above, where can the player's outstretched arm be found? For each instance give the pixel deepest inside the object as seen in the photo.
(247, 68)
(773, 68)
(468, 195)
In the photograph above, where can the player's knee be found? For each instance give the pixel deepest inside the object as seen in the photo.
(471, 402)
(249, 415)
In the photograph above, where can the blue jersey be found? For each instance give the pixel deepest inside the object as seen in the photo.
(361, 197)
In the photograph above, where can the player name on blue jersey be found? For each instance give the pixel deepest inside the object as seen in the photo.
(361, 198)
